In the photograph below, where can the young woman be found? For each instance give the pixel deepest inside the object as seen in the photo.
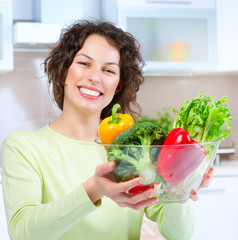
(55, 179)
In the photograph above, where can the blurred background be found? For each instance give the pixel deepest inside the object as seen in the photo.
(188, 45)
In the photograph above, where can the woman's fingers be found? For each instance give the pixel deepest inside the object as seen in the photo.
(206, 178)
(205, 183)
(105, 168)
(136, 198)
(210, 171)
(126, 186)
(194, 195)
(142, 204)
(136, 201)
(118, 192)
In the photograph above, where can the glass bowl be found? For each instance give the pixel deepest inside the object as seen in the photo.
(173, 170)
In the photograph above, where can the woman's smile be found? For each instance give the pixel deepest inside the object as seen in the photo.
(89, 92)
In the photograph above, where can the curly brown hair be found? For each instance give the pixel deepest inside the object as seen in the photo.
(71, 41)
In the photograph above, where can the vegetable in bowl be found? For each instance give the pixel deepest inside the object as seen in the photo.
(183, 156)
(133, 159)
(115, 124)
(140, 159)
(172, 163)
(203, 117)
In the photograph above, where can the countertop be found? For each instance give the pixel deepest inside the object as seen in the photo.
(226, 169)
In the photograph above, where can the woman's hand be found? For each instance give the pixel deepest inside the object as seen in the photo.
(100, 185)
(205, 183)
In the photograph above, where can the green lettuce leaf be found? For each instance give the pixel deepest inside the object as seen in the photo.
(204, 118)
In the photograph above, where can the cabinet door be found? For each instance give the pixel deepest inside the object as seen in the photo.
(227, 35)
(6, 44)
(181, 40)
(216, 211)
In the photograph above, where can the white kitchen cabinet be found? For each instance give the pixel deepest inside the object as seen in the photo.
(216, 211)
(6, 43)
(180, 37)
(67, 11)
(175, 38)
(178, 40)
(160, 3)
(227, 35)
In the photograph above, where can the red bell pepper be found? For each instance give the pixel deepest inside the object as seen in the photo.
(175, 163)
(141, 188)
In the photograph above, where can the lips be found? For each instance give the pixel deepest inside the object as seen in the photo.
(89, 91)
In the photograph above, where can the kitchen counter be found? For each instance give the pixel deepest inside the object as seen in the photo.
(208, 196)
(226, 169)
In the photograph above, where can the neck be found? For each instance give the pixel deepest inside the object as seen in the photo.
(80, 127)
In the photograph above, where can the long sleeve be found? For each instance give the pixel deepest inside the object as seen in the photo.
(42, 175)
(23, 186)
(44, 198)
(175, 221)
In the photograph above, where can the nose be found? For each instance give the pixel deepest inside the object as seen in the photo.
(94, 75)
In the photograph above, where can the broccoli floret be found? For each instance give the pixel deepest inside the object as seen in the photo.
(134, 154)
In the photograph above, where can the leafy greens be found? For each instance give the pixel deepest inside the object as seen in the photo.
(203, 118)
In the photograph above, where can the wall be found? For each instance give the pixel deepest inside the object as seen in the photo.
(25, 102)
(159, 92)
(24, 98)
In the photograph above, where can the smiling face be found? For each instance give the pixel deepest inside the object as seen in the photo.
(93, 76)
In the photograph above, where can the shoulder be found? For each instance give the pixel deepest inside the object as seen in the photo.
(22, 137)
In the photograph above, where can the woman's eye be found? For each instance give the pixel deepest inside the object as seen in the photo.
(83, 63)
(110, 71)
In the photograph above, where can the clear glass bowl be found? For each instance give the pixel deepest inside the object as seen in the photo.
(173, 170)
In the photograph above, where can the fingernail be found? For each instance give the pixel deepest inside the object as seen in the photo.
(194, 193)
(211, 170)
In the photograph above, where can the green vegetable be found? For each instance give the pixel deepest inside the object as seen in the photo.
(203, 118)
(132, 161)
(163, 120)
(145, 118)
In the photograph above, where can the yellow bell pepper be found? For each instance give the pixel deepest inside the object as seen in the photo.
(113, 125)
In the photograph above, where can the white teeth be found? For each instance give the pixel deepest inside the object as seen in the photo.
(89, 92)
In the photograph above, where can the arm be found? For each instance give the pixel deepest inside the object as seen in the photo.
(27, 217)
(175, 221)
(32, 213)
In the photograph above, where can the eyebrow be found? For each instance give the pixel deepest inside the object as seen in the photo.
(85, 55)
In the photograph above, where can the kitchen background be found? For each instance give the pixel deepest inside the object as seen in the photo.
(170, 79)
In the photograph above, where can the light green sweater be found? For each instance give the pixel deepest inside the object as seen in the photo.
(42, 175)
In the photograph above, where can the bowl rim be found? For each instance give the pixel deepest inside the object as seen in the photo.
(161, 146)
